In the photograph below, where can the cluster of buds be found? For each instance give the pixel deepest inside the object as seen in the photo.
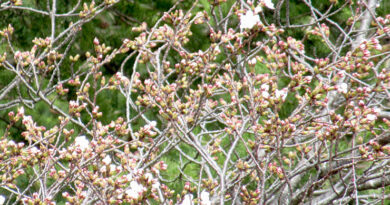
(96, 113)
(295, 44)
(24, 58)
(43, 43)
(75, 108)
(53, 57)
(250, 197)
(88, 11)
(15, 118)
(275, 169)
(141, 28)
(319, 31)
(110, 2)
(35, 199)
(33, 132)
(120, 127)
(61, 90)
(7, 32)
(119, 77)
(74, 82)
(242, 165)
(146, 131)
(174, 18)
(3, 58)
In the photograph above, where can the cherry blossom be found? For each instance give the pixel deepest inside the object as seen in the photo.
(269, 4)
(371, 117)
(107, 160)
(249, 20)
(281, 94)
(82, 142)
(2, 199)
(187, 199)
(205, 198)
(342, 88)
(135, 190)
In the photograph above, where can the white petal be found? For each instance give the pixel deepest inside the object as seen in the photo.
(187, 199)
(205, 198)
(2, 199)
(107, 160)
(269, 4)
(82, 142)
(249, 20)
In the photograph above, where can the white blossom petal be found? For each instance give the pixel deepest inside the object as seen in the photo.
(269, 4)
(187, 199)
(371, 117)
(205, 198)
(342, 88)
(258, 9)
(107, 160)
(281, 94)
(135, 190)
(82, 142)
(249, 20)
(2, 199)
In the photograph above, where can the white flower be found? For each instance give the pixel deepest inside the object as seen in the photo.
(342, 88)
(132, 193)
(82, 142)
(281, 94)
(21, 110)
(113, 167)
(2, 199)
(265, 94)
(258, 9)
(148, 176)
(371, 117)
(156, 185)
(34, 150)
(187, 199)
(269, 4)
(264, 87)
(135, 190)
(205, 198)
(252, 62)
(377, 110)
(249, 20)
(264, 90)
(107, 160)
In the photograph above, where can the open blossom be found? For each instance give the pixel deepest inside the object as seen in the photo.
(187, 200)
(281, 94)
(107, 160)
(205, 198)
(269, 4)
(371, 117)
(249, 20)
(2, 199)
(258, 9)
(82, 142)
(342, 88)
(135, 190)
